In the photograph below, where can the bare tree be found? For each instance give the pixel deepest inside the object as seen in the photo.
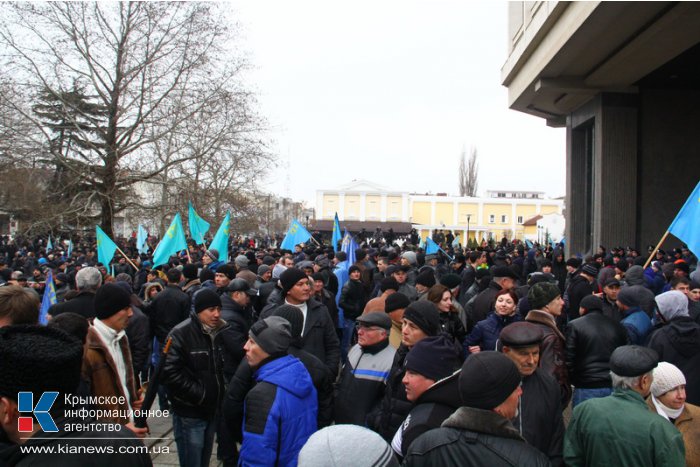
(468, 173)
(153, 67)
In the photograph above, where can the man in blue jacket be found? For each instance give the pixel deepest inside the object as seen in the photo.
(280, 411)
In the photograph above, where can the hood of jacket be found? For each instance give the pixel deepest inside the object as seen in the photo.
(445, 392)
(288, 373)
(686, 336)
(635, 275)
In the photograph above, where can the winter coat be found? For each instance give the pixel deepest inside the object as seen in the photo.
(539, 419)
(319, 337)
(678, 342)
(279, 415)
(620, 430)
(388, 415)
(138, 330)
(193, 371)
(83, 304)
(100, 373)
(637, 324)
(486, 332)
(353, 299)
(168, 309)
(362, 382)
(590, 341)
(452, 325)
(688, 423)
(473, 437)
(552, 353)
(634, 277)
(432, 408)
(578, 289)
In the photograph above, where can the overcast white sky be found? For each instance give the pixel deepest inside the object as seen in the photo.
(391, 91)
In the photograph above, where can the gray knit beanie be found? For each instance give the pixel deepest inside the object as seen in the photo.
(346, 445)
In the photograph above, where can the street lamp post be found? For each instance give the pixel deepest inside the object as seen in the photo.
(469, 216)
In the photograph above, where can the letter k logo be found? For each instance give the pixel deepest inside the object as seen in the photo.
(25, 403)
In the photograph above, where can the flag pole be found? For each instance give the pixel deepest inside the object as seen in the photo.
(658, 245)
(127, 258)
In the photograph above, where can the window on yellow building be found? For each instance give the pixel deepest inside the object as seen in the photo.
(520, 219)
(492, 218)
(504, 219)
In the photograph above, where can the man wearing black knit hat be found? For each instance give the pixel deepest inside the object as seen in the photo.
(202, 347)
(420, 320)
(318, 335)
(431, 385)
(107, 364)
(480, 433)
(40, 360)
(394, 306)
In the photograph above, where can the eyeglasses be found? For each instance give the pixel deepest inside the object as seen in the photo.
(364, 327)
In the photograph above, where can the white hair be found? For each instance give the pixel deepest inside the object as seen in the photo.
(627, 382)
(88, 279)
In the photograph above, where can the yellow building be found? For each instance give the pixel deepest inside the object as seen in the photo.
(499, 213)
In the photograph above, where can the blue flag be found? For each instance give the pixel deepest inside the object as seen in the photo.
(49, 244)
(295, 235)
(142, 240)
(528, 244)
(220, 242)
(48, 299)
(686, 225)
(337, 237)
(70, 248)
(198, 226)
(455, 242)
(431, 247)
(349, 246)
(105, 247)
(172, 242)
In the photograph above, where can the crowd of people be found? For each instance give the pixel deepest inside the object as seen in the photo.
(465, 357)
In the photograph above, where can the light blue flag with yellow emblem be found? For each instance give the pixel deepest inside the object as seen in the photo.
(142, 240)
(349, 247)
(337, 237)
(686, 225)
(49, 244)
(220, 242)
(431, 247)
(198, 226)
(48, 299)
(172, 242)
(105, 246)
(295, 235)
(70, 248)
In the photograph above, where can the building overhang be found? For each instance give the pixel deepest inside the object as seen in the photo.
(572, 51)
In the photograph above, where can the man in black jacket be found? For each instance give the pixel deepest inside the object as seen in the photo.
(318, 335)
(431, 382)
(194, 375)
(539, 419)
(590, 341)
(480, 432)
(87, 281)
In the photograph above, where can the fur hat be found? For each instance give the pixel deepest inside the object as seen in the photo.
(541, 294)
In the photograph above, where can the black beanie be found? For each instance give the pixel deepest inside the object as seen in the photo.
(450, 280)
(426, 278)
(487, 379)
(434, 357)
(38, 359)
(206, 298)
(541, 294)
(425, 315)
(109, 299)
(189, 271)
(396, 301)
(294, 316)
(289, 277)
(388, 283)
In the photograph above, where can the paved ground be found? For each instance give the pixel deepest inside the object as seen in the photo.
(164, 449)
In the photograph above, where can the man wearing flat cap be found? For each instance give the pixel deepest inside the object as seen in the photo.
(480, 433)
(619, 429)
(546, 306)
(363, 377)
(539, 419)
